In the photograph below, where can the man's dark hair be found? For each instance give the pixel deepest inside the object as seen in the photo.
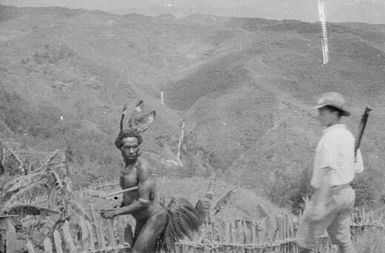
(331, 108)
(127, 133)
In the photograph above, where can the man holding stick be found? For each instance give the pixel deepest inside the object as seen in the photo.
(141, 203)
(335, 166)
(157, 227)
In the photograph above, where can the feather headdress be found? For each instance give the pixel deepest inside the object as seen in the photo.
(137, 123)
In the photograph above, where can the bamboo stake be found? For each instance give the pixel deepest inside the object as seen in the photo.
(253, 232)
(277, 229)
(237, 231)
(234, 232)
(245, 231)
(227, 231)
(285, 232)
(209, 197)
(58, 242)
(30, 247)
(91, 236)
(98, 230)
(110, 233)
(47, 245)
(68, 238)
(265, 227)
(231, 235)
(84, 230)
(120, 228)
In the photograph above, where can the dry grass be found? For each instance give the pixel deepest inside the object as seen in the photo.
(370, 241)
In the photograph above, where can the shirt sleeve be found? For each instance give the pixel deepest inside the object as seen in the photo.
(328, 155)
(358, 164)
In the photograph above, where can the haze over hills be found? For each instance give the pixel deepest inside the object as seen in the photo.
(360, 12)
(244, 86)
(367, 11)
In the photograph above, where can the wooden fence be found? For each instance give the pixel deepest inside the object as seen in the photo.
(247, 236)
(268, 235)
(95, 235)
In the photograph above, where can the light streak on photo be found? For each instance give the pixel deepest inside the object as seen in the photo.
(324, 40)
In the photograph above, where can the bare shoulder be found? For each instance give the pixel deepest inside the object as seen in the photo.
(144, 170)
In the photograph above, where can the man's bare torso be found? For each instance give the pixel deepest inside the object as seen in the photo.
(130, 177)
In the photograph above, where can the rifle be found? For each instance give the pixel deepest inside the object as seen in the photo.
(361, 130)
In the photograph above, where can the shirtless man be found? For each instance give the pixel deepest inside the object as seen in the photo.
(150, 216)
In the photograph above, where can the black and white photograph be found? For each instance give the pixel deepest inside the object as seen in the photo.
(192, 126)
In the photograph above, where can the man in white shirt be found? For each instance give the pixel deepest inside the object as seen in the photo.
(334, 168)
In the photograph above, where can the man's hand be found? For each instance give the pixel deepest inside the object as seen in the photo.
(317, 212)
(108, 213)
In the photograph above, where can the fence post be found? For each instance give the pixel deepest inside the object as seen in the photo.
(263, 234)
(286, 234)
(238, 229)
(247, 230)
(91, 236)
(233, 232)
(47, 245)
(120, 229)
(70, 245)
(209, 197)
(98, 229)
(278, 229)
(227, 231)
(85, 239)
(58, 242)
(253, 233)
(110, 233)
(30, 247)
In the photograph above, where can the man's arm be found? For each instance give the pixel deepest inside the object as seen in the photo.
(317, 209)
(145, 187)
(325, 186)
(327, 157)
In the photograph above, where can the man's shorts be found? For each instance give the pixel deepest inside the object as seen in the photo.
(337, 219)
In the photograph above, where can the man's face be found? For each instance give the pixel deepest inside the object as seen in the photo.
(130, 148)
(326, 117)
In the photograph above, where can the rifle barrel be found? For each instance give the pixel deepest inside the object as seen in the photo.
(362, 126)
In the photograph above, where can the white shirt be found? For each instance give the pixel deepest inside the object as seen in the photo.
(336, 151)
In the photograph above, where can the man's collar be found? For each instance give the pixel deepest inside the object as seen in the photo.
(339, 125)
